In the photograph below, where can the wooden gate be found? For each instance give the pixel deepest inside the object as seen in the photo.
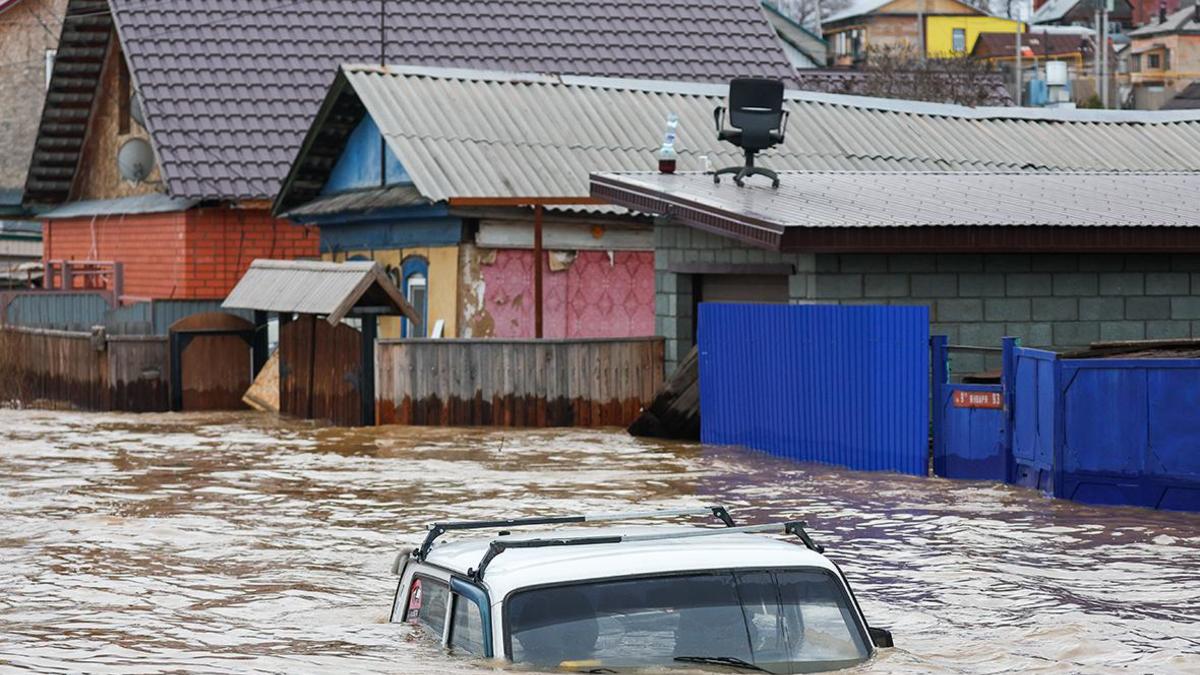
(211, 361)
(320, 371)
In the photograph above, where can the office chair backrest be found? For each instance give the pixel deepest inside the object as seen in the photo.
(756, 107)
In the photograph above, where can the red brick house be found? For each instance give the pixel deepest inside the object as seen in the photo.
(192, 225)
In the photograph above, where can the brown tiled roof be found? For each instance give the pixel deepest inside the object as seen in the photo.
(230, 86)
(993, 45)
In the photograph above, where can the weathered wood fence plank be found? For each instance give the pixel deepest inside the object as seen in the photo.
(463, 382)
(64, 370)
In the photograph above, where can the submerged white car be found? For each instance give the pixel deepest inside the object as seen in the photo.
(611, 600)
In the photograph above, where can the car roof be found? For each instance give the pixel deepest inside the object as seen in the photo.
(521, 568)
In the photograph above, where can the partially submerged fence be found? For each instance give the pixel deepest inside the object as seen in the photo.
(91, 371)
(818, 383)
(586, 382)
(1095, 430)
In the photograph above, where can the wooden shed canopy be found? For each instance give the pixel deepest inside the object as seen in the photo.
(332, 290)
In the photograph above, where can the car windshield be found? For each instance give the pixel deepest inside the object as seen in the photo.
(783, 621)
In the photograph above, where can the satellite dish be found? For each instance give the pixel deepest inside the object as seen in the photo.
(135, 110)
(135, 160)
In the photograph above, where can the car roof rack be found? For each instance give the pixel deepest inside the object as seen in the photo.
(438, 529)
(498, 546)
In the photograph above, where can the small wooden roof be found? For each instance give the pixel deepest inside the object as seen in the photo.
(333, 290)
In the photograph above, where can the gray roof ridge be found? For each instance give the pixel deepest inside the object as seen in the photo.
(906, 172)
(846, 100)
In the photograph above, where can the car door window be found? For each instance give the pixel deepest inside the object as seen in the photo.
(822, 626)
(764, 619)
(427, 604)
(466, 627)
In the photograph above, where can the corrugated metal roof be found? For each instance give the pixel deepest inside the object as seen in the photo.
(1053, 10)
(310, 287)
(151, 203)
(906, 199)
(477, 134)
(811, 46)
(1180, 21)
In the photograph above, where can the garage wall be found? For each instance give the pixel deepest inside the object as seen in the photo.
(1057, 301)
(678, 246)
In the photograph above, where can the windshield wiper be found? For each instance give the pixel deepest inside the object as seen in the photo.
(731, 661)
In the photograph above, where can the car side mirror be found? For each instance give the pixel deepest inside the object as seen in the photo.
(882, 637)
(400, 562)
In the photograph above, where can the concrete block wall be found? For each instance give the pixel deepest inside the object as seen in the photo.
(1059, 301)
(677, 244)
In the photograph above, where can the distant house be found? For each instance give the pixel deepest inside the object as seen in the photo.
(1083, 13)
(28, 40)
(1075, 49)
(936, 28)
(1165, 58)
(1188, 99)
(1146, 12)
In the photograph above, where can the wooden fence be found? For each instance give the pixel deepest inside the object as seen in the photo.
(542, 383)
(61, 369)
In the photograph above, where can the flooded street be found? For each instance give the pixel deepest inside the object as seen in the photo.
(235, 543)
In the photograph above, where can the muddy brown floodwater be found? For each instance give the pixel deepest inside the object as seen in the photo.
(235, 543)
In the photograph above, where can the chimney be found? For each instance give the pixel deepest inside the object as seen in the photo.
(1162, 11)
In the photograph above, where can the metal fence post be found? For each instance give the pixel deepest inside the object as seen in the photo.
(1008, 384)
(939, 346)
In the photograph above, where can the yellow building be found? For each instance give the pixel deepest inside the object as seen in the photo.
(951, 27)
(428, 276)
(955, 35)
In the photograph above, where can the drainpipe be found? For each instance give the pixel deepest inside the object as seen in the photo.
(1103, 55)
(537, 271)
(1097, 55)
(1020, 79)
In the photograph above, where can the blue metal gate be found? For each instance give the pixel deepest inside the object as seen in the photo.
(968, 422)
(1034, 377)
(820, 383)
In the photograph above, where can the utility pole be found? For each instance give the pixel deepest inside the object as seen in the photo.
(1103, 54)
(921, 28)
(1020, 28)
(1099, 50)
(1020, 76)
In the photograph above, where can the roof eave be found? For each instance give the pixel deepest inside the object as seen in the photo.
(283, 199)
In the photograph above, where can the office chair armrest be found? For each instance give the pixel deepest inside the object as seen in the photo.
(783, 126)
(718, 115)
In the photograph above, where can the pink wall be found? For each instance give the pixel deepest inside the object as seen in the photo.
(595, 297)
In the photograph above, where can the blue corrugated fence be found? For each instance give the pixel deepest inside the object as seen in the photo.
(839, 385)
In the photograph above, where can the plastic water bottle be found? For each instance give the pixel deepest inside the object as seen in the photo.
(666, 155)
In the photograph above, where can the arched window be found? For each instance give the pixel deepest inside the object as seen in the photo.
(415, 274)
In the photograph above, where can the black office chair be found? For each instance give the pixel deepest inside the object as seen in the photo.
(758, 119)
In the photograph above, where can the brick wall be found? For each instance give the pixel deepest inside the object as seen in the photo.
(150, 245)
(198, 254)
(222, 242)
(1061, 301)
(677, 244)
